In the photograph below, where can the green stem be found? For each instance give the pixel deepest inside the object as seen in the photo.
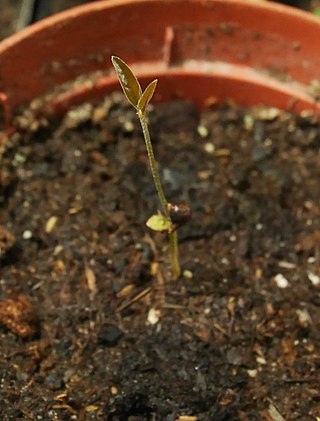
(152, 161)
(174, 254)
(173, 236)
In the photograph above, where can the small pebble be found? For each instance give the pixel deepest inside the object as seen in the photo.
(109, 335)
(26, 204)
(58, 249)
(113, 390)
(99, 114)
(128, 126)
(252, 373)
(77, 153)
(281, 281)
(78, 115)
(261, 360)
(267, 142)
(314, 279)
(209, 147)
(19, 158)
(153, 316)
(53, 382)
(248, 122)
(202, 130)
(204, 175)
(304, 317)
(267, 114)
(187, 274)
(27, 235)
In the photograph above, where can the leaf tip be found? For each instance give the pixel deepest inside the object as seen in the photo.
(114, 59)
(128, 80)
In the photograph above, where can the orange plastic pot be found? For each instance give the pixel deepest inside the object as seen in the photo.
(249, 51)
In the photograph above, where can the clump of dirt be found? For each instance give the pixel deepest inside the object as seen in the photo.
(107, 334)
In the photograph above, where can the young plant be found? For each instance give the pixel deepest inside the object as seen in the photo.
(172, 215)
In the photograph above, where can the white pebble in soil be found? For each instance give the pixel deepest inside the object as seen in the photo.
(281, 281)
(314, 279)
(27, 235)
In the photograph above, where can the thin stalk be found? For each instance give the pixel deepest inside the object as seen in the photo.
(173, 236)
(174, 254)
(153, 165)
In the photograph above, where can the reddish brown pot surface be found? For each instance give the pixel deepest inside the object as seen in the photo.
(252, 52)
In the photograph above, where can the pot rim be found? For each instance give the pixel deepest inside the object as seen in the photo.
(65, 15)
(287, 23)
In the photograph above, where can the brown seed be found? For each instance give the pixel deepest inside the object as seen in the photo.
(179, 213)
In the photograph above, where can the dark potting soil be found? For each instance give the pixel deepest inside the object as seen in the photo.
(92, 325)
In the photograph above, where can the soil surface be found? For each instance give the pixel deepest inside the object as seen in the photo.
(92, 327)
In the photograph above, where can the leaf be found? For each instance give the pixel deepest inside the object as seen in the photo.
(159, 222)
(129, 83)
(146, 96)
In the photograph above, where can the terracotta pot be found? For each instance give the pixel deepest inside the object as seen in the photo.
(253, 52)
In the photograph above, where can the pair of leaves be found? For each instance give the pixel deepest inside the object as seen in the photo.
(131, 87)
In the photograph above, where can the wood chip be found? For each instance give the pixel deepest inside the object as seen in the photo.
(91, 408)
(272, 414)
(51, 223)
(135, 299)
(7, 240)
(309, 242)
(223, 152)
(66, 408)
(91, 280)
(286, 265)
(126, 291)
(18, 316)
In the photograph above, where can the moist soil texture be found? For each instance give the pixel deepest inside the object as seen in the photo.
(92, 325)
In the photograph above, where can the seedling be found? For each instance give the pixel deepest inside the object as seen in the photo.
(172, 215)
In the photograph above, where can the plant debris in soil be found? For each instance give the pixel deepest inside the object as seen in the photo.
(92, 326)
